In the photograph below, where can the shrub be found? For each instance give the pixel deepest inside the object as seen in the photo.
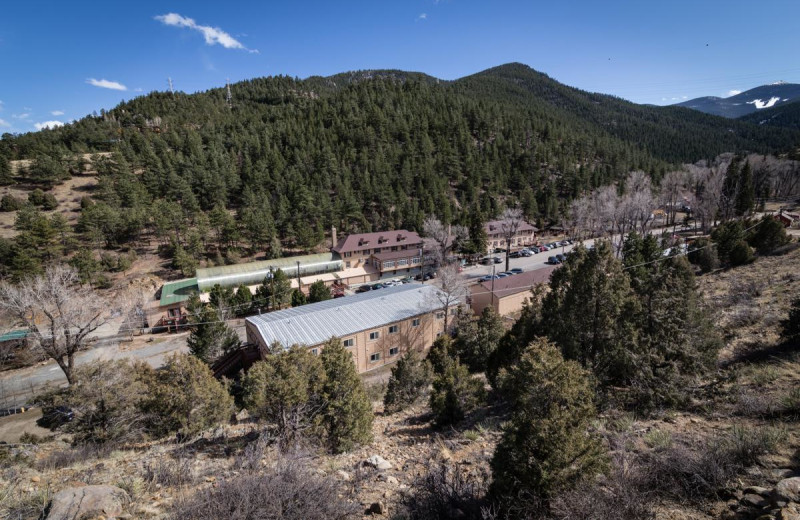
(286, 390)
(768, 235)
(287, 492)
(10, 203)
(440, 353)
(105, 401)
(186, 398)
(410, 378)
(546, 446)
(348, 412)
(727, 236)
(740, 253)
(455, 393)
(318, 292)
(445, 491)
(703, 253)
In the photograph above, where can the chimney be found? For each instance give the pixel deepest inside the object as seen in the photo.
(333, 237)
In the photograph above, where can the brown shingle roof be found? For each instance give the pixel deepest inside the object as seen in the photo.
(361, 241)
(391, 255)
(496, 226)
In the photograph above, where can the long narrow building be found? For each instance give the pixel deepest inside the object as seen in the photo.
(377, 327)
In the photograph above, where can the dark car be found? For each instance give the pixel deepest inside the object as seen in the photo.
(364, 288)
(561, 258)
(536, 250)
(499, 250)
(498, 260)
(552, 260)
(516, 270)
(377, 286)
(515, 254)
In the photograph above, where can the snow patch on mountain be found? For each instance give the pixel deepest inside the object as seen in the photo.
(760, 104)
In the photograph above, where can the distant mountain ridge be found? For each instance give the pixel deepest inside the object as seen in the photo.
(748, 102)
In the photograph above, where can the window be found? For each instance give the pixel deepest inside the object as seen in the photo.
(374, 357)
(315, 351)
(393, 351)
(349, 342)
(374, 335)
(453, 311)
(347, 265)
(415, 322)
(440, 315)
(415, 260)
(388, 265)
(403, 261)
(393, 329)
(348, 254)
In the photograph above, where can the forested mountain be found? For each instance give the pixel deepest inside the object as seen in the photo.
(785, 115)
(363, 150)
(747, 102)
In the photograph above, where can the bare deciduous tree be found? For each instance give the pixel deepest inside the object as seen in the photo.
(441, 239)
(510, 221)
(672, 186)
(452, 291)
(58, 312)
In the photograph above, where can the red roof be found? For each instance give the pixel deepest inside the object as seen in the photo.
(516, 283)
(361, 241)
(496, 226)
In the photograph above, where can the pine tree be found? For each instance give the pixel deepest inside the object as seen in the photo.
(210, 336)
(409, 380)
(745, 193)
(476, 341)
(455, 393)
(546, 447)
(348, 413)
(298, 298)
(5, 172)
(286, 389)
(318, 292)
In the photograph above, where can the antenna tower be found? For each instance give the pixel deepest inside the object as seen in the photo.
(228, 96)
(171, 89)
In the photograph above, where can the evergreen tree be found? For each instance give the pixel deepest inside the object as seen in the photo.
(318, 292)
(298, 298)
(703, 253)
(409, 380)
(6, 177)
(546, 446)
(242, 301)
(790, 327)
(455, 393)
(590, 313)
(348, 413)
(768, 235)
(210, 336)
(745, 193)
(286, 389)
(476, 341)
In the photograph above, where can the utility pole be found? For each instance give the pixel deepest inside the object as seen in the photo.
(493, 266)
(299, 285)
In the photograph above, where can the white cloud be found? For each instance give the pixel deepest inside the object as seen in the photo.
(104, 83)
(24, 115)
(212, 35)
(138, 89)
(48, 124)
(733, 92)
(423, 16)
(57, 112)
(4, 124)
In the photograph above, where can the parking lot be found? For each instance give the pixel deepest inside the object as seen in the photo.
(536, 261)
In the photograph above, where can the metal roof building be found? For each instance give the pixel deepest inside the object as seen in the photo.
(315, 323)
(253, 273)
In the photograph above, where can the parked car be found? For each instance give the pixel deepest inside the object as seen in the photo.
(542, 249)
(515, 254)
(407, 279)
(502, 275)
(561, 258)
(552, 260)
(364, 288)
(498, 260)
(526, 252)
(489, 277)
(516, 270)
(508, 273)
(535, 250)
(499, 250)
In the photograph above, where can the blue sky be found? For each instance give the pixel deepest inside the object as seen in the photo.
(61, 60)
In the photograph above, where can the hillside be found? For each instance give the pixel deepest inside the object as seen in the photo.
(784, 115)
(749, 102)
(202, 181)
